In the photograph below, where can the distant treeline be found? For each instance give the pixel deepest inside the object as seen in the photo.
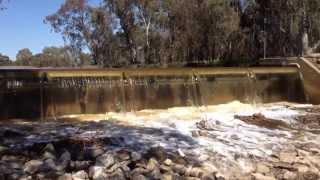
(169, 32)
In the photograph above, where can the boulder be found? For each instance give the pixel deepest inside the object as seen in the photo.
(288, 175)
(171, 176)
(153, 164)
(105, 160)
(33, 166)
(3, 150)
(80, 165)
(94, 152)
(80, 175)
(139, 177)
(135, 156)
(288, 157)
(97, 173)
(48, 155)
(65, 159)
(258, 176)
(167, 162)
(65, 177)
(49, 148)
(262, 168)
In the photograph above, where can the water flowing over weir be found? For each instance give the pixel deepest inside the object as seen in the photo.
(50, 93)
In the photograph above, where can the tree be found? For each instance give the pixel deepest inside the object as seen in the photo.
(23, 57)
(4, 60)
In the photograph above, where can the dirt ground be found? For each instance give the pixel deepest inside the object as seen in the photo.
(234, 141)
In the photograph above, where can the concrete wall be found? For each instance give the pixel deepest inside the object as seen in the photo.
(311, 78)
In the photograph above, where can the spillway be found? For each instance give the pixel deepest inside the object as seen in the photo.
(48, 93)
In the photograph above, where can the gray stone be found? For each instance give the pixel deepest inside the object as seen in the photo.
(259, 176)
(80, 165)
(65, 159)
(95, 152)
(171, 176)
(33, 166)
(153, 164)
(97, 173)
(117, 175)
(49, 148)
(65, 177)
(80, 175)
(135, 156)
(3, 150)
(139, 177)
(49, 164)
(261, 168)
(167, 162)
(288, 157)
(48, 155)
(288, 175)
(155, 174)
(208, 177)
(106, 160)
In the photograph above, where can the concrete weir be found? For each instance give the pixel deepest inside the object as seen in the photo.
(50, 93)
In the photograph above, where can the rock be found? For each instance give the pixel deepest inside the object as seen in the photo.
(33, 166)
(48, 155)
(79, 165)
(310, 176)
(3, 150)
(135, 156)
(195, 134)
(158, 152)
(152, 164)
(139, 177)
(95, 152)
(49, 148)
(301, 168)
(288, 157)
(167, 162)
(192, 178)
(180, 169)
(117, 175)
(15, 175)
(105, 160)
(263, 169)
(80, 175)
(283, 165)
(138, 171)
(155, 173)
(97, 173)
(258, 176)
(65, 177)
(65, 159)
(194, 172)
(49, 164)
(288, 175)
(123, 155)
(171, 176)
(208, 177)
(17, 165)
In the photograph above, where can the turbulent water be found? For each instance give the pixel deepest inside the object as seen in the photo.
(215, 134)
(231, 139)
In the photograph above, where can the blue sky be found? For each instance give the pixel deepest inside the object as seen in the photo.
(21, 26)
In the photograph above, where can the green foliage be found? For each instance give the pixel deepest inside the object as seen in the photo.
(124, 32)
